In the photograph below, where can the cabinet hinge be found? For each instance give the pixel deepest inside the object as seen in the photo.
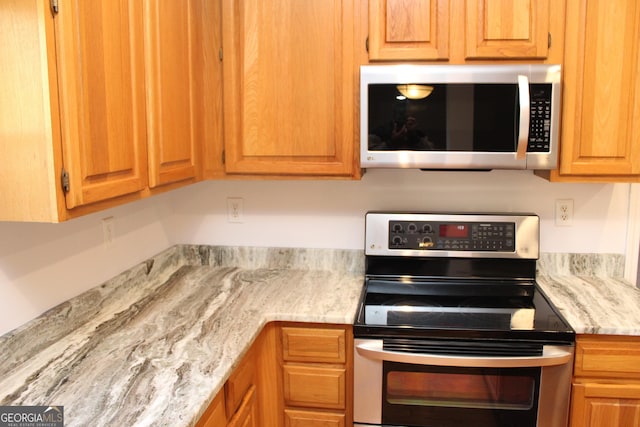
(224, 158)
(54, 6)
(64, 180)
(220, 54)
(549, 41)
(366, 44)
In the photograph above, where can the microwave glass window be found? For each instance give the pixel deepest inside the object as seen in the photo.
(452, 117)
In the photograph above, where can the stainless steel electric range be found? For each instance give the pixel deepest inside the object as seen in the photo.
(453, 330)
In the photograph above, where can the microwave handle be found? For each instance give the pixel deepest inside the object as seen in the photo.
(525, 116)
(551, 356)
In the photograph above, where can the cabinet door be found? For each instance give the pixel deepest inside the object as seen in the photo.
(247, 414)
(408, 29)
(601, 101)
(215, 415)
(507, 28)
(289, 87)
(605, 405)
(170, 32)
(101, 83)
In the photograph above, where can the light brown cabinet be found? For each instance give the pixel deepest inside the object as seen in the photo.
(294, 375)
(99, 102)
(317, 376)
(601, 92)
(606, 385)
(236, 405)
(457, 31)
(289, 75)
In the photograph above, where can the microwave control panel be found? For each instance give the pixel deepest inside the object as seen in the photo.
(540, 118)
(452, 236)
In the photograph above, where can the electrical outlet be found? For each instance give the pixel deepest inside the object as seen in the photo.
(235, 209)
(108, 231)
(564, 212)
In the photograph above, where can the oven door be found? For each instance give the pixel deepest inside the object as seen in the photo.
(395, 388)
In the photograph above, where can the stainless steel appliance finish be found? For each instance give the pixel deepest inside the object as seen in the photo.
(452, 328)
(475, 117)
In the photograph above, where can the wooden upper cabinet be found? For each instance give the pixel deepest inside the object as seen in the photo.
(601, 102)
(504, 29)
(102, 90)
(460, 31)
(170, 32)
(408, 29)
(289, 87)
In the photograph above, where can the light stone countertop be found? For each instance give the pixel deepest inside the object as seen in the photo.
(590, 293)
(154, 345)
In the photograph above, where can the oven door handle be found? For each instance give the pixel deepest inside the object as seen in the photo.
(525, 115)
(551, 356)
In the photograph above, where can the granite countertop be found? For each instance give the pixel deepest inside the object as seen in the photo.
(155, 344)
(590, 292)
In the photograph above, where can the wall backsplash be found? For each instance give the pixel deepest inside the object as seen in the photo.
(42, 265)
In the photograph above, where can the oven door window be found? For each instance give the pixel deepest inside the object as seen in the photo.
(416, 395)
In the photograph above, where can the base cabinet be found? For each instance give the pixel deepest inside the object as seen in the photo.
(316, 367)
(606, 386)
(294, 375)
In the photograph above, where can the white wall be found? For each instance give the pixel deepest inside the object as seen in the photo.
(328, 214)
(42, 265)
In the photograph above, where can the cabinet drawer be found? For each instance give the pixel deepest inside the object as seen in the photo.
(313, 345)
(236, 387)
(298, 418)
(315, 387)
(606, 356)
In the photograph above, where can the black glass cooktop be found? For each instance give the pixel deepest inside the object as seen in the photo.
(403, 307)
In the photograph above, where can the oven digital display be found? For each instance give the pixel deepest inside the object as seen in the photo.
(454, 230)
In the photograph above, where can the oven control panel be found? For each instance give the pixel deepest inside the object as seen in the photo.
(463, 235)
(452, 236)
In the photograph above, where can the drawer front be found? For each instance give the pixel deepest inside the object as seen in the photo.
(608, 357)
(315, 387)
(313, 345)
(298, 418)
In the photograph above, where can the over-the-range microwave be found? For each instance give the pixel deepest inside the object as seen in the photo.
(462, 117)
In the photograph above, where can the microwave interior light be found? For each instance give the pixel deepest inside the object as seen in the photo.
(413, 91)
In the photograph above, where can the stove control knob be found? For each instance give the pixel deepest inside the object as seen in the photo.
(426, 242)
(396, 241)
(427, 229)
(397, 228)
(412, 228)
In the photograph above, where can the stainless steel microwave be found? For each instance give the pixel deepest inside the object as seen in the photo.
(463, 117)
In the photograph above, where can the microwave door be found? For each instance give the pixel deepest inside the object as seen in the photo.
(455, 126)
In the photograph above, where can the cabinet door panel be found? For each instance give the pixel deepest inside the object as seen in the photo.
(601, 89)
(507, 28)
(169, 36)
(315, 387)
(247, 414)
(611, 405)
(288, 98)
(408, 29)
(313, 345)
(101, 81)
